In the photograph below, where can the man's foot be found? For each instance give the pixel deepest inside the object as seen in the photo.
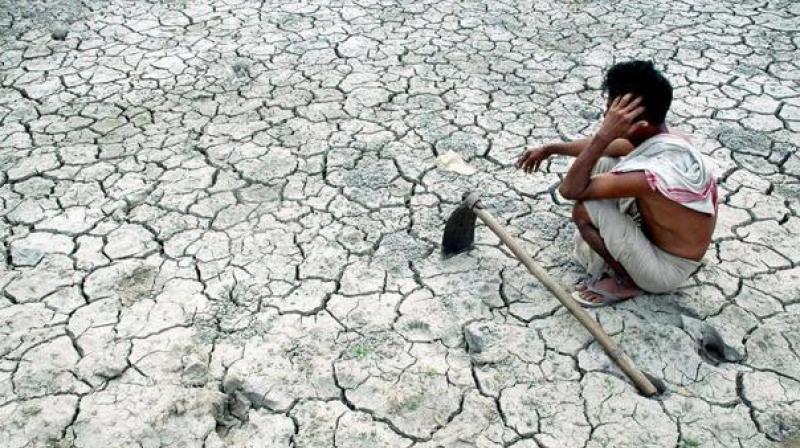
(607, 291)
(586, 281)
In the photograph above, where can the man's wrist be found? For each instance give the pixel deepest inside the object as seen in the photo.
(604, 137)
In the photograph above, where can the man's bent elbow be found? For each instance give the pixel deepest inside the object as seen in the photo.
(569, 193)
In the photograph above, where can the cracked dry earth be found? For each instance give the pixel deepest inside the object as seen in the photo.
(220, 225)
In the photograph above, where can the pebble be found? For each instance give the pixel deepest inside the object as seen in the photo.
(60, 32)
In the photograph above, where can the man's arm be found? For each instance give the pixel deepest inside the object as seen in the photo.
(618, 123)
(531, 159)
(611, 186)
(617, 148)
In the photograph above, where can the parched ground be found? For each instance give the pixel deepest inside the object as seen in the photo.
(220, 225)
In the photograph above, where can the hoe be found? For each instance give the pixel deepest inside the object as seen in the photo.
(459, 234)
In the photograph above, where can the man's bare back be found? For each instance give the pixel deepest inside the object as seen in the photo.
(676, 229)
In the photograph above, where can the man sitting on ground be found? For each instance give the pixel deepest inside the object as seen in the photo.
(646, 199)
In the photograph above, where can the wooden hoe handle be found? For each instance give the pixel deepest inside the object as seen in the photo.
(611, 348)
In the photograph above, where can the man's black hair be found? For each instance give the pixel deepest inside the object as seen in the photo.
(641, 79)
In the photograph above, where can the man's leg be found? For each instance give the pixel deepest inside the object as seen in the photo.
(622, 285)
(585, 255)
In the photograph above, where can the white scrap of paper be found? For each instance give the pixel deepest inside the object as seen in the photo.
(452, 161)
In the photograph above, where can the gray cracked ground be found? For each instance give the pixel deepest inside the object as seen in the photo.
(220, 225)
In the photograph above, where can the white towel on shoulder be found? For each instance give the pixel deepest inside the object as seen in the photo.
(676, 169)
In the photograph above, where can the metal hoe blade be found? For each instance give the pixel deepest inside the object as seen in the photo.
(459, 231)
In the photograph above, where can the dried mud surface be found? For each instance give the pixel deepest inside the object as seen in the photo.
(220, 225)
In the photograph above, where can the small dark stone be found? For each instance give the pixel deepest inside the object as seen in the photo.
(241, 69)
(60, 32)
(474, 340)
(590, 114)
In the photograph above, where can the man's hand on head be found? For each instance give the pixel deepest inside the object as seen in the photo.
(620, 119)
(620, 122)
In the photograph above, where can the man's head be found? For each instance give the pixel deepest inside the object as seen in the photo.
(641, 79)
